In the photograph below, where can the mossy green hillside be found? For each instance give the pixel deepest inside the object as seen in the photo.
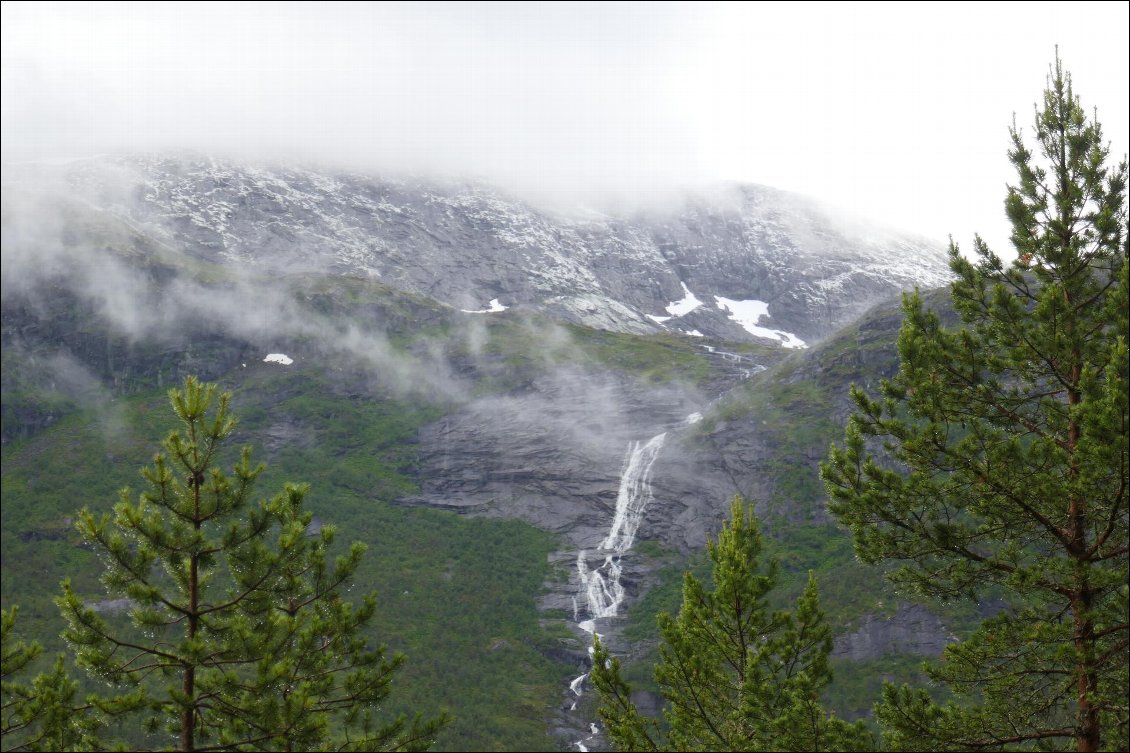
(457, 595)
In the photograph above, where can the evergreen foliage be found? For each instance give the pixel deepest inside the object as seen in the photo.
(735, 675)
(241, 638)
(43, 715)
(997, 459)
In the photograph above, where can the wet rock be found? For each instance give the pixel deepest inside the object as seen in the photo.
(912, 629)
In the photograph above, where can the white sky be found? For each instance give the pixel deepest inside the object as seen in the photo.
(896, 111)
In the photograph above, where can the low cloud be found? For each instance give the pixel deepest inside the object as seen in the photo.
(56, 246)
(541, 101)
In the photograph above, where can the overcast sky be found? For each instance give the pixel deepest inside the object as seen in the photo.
(896, 111)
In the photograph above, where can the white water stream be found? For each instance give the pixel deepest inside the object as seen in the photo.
(601, 589)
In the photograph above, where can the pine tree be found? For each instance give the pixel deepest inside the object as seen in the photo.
(240, 637)
(45, 714)
(734, 674)
(995, 462)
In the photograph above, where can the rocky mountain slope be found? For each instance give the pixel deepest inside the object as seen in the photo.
(711, 265)
(444, 346)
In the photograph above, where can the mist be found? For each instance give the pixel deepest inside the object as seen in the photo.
(69, 262)
(897, 113)
(59, 248)
(461, 91)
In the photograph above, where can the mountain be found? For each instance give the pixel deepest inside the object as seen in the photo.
(485, 391)
(695, 267)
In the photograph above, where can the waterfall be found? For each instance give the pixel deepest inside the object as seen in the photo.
(634, 494)
(600, 587)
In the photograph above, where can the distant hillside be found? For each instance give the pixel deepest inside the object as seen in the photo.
(462, 379)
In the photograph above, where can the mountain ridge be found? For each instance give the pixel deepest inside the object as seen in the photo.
(465, 244)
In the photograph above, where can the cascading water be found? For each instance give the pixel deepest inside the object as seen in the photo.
(600, 587)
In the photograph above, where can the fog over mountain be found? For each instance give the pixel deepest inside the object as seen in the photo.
(898, 114)
(693, 268)
(122, 273)
(496, 274)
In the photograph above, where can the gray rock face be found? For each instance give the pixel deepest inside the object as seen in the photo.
(912, 629)
(551, 455)
(467, 244)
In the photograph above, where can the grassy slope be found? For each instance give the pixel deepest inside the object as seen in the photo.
(457, 595)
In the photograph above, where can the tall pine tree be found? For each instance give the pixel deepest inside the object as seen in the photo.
(995, 462)
(240, 637)
(735, 675)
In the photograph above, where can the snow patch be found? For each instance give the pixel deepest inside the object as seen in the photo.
(495, 307)
(282, 358)
(688, 304)
(749, 313)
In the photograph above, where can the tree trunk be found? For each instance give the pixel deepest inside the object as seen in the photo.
(188, 716)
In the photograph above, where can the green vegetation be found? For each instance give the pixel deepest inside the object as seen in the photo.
(653, 359)
(849, 591)
(457, 595)
(857, 684)
(996, 462)
(45, 714)
(1002, 483)
(239, 634)
(734, 675)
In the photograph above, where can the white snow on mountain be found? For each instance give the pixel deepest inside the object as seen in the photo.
(458, 242)
(749, 313)
(494, 308)
(684, 306)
